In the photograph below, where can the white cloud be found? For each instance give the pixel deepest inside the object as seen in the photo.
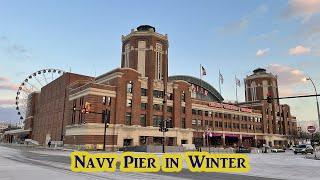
(287, 76)
(262, 52)
(304, 9)
(5, 84)
(299, 50)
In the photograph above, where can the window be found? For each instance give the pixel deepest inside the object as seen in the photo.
(194, 112)
(129, 102)
(157, 120)
(170, 96)
(183, 110)
(143, 120)
(126, 55)
(199, 112)
(158, 61)
(157, 107)
(183, 97)
(183, 123)
(129, 87)
(128, 118)
(80, 114)
(216, 124)
(194, 122)
(169, 109)
(206, 113)
(143, 92)
(106, 100)
(206, 122)
(143, 106)
(199, 122)
(225, 125)
(211, 123)
(169, 123)
(73, 118)
(157, 94)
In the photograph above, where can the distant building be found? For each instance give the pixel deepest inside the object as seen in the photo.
(134, 101)
(3, 126)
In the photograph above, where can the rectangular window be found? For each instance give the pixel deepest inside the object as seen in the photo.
(206, 122)
(183, 97)
(206, 113)
(129, 87)
(157, 120)
(194, 112)
(143, 120)
(73, 119)
(157, 94)
(199, 112)
(194, 122)
(169, 109)
(169, 123)
(143, 92)
(128, 118)
(183, 123)
(216, 124)
(211, 123)
(129, 102)
(157, 107)
(170, 96)
(143, 106)
(183, 110)
(199, 122)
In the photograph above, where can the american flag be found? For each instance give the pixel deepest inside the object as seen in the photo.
(204, 72)
(238, 83)
(220, 77)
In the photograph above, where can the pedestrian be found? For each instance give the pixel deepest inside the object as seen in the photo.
(49, 144)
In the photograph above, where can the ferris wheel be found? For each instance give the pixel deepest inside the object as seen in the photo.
(33, 84)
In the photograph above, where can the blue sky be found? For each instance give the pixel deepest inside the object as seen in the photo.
(233, 36)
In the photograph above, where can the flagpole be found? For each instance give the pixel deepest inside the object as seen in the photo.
(236, 81)
(219, 82)
(201, 100)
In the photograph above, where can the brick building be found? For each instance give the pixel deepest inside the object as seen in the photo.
(134, 101)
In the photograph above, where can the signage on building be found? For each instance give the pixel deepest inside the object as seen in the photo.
(311, 129)
(229, 107)
(199, 90)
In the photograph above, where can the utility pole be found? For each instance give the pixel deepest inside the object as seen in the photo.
(315, 89)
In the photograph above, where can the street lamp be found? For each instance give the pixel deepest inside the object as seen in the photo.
(315, 89)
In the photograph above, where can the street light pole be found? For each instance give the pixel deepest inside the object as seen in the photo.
(315, 89)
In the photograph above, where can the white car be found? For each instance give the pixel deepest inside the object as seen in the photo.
(275, 150)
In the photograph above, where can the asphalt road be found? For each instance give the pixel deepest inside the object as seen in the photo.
(38, 165)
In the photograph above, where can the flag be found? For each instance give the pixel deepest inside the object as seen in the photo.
(220, 77)
(204, 72)
(238, 83)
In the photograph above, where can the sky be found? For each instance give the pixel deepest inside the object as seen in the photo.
(234, 37)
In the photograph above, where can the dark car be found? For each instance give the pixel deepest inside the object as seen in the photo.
(242, 149)
(303, 149)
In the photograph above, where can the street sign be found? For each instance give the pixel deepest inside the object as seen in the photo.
(311, 129)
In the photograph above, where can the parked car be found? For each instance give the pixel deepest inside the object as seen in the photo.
(276, 150)
(303, 149)
(243, 149)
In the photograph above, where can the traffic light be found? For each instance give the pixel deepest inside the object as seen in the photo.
(269, 98)
(163, 126)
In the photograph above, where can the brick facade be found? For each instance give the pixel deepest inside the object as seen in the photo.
(134, 99)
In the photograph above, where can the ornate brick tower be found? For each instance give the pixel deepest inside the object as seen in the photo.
(146, 51)
(259, 84)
